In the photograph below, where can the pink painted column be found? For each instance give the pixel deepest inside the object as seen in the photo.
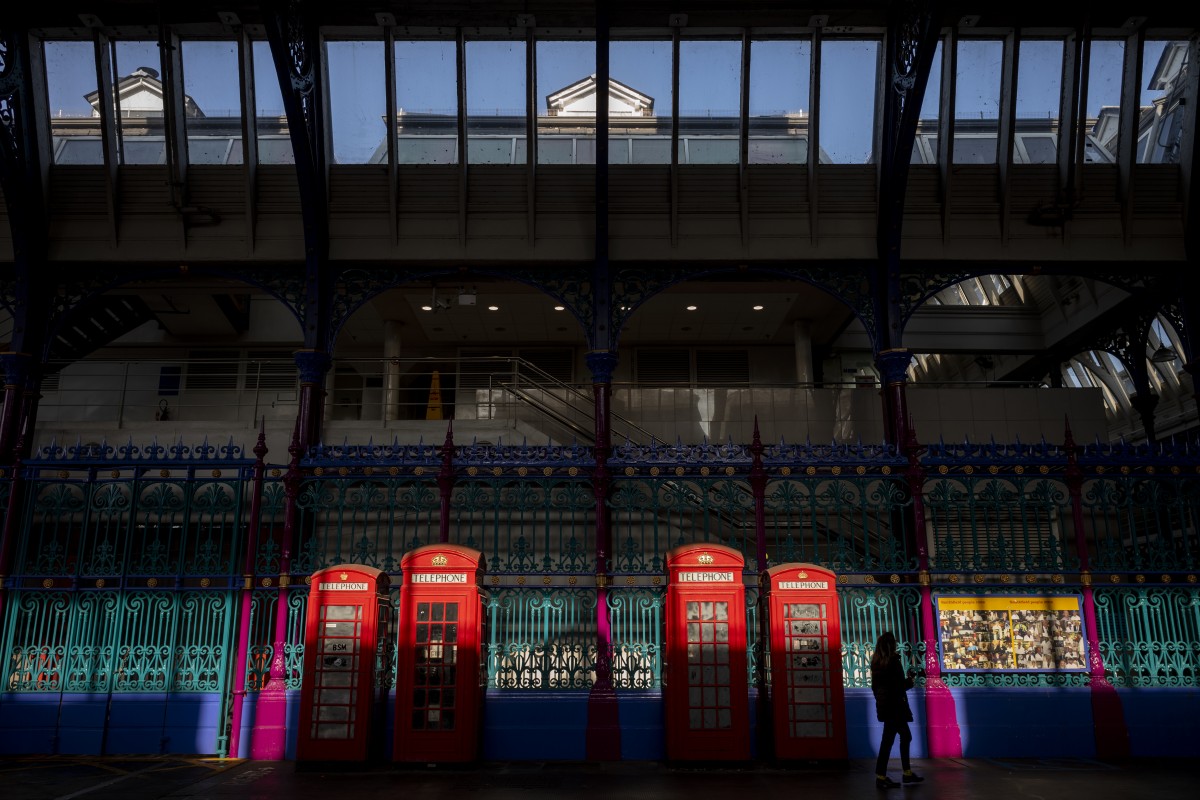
(941, 715)
(604, 724)
(1108, 716)
(243, 645)
(269, 740)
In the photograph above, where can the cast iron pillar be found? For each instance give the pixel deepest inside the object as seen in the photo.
(314, 366)
(269, 739)
(1108, 715)
(893, 369)
(758, 489)
(943, 736)
(23, 177)
(242, 656)
(445, 482)
(604, 725)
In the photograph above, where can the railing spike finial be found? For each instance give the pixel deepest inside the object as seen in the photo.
(260, 446)
(757, 437)
(294, 446)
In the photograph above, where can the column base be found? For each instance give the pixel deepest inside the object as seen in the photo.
(604, 725)
(268, 741)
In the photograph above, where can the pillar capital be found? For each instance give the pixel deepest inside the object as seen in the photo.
(17, 367)
(313, 364)
(602, 363)
(893, 364)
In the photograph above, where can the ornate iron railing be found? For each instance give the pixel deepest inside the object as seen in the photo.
(127, 572)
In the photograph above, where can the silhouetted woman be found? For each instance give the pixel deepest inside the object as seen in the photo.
(890, 686)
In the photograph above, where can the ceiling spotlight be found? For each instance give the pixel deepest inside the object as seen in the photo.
(691, 308)
(1164, 355)
(427, 308)
(493, 308)
(560, 308)
(758, 308)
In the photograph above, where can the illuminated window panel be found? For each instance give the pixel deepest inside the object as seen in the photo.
(138, 100)
(779, 102)
(357, 103)
(74, 121)
(213, 119)
(1039, 91)
(925, 146)
(710, 80)
(1162, 116)
(1102, 113)
(977, 101)
(426, 103)
(274, 140)
(639, 107)
(849, 74)
(566, 92)
(496, 104)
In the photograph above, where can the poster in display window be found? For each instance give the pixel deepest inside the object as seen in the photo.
(1011, 634)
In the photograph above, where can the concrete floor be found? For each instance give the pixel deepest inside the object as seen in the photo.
(142, 778)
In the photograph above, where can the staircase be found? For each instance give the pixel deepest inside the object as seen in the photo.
(99, 324)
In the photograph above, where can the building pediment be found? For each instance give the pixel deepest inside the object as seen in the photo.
(579, 99)
(140, 94)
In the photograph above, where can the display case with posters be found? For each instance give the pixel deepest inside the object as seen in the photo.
(997, 634)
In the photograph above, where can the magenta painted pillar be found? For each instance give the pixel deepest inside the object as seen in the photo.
(1108, 716)
(604, 724)
(941, 716)
(247, 605)
(269, 740)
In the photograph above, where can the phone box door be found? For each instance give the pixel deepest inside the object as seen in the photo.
(338, 706)
(706, 694)
(438, 693)
(806, 662)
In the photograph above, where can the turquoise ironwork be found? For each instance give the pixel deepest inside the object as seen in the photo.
(848, 524)
(371, 522)
(525, 526)
(999, 525)
(636, 618)
(1142, 523)
(651, 517)
(1150, 636)
(865, 614)
(541, 638)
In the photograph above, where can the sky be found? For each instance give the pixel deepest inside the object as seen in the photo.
(709, 82)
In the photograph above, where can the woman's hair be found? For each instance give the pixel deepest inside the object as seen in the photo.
(885, 649)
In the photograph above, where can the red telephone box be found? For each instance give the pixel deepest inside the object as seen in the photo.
(438, 696)
(348, 612)
(806, 662)
(706, 695)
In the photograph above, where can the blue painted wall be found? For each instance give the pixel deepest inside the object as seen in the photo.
(1162, 722)
(154, 723)
(1013, 722)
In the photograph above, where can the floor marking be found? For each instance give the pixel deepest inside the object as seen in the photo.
(105, 784)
